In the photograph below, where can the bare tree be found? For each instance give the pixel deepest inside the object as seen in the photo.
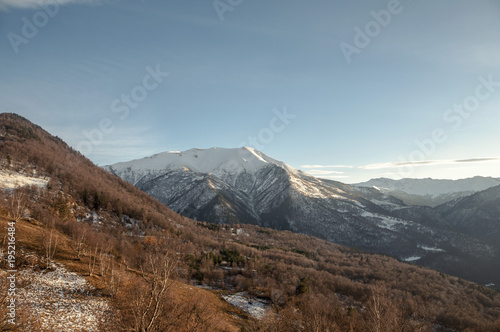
(104, 261)
(115, 278)
(92, 260)
(17, 204)
(375, 310)
(383, 314)
(50, 242)
(80, 233)
(157, 272)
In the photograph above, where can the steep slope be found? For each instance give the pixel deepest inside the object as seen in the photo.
(64, 297)
(477, 214)
(71, 217)
(207, 179)
(246, 186)
(430, 192)
(119, 238)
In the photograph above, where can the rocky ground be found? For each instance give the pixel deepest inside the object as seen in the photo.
(59, 300)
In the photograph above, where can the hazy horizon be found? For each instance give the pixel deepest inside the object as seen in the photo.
(359, 90)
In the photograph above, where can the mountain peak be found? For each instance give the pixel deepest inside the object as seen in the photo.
(219, 161)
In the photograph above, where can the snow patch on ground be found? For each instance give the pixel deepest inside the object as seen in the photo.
(433, 249)
(384, 221)
(411, 259)
(60, 300)
(255, 308)
(390, 223)
(308, 190)
(11, 180)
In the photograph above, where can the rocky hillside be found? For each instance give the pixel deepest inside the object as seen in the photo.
(246, 186)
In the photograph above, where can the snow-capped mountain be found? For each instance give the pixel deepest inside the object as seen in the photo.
(226, 164)
(246, 186)
(430, 192)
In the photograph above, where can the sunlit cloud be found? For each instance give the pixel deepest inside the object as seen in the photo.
(31, 4)
(326, 166)
(320, 172)
(334, 177)
(426, 163)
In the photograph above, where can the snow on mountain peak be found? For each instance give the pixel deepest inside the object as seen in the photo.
(218, 161)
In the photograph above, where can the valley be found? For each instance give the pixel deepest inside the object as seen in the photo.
(246, 186)
(202, 276)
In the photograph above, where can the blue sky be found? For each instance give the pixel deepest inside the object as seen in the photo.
(342, 89)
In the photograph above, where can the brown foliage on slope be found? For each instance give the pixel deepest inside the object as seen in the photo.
(312, 285)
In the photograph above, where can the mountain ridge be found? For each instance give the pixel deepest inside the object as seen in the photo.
(430, 192)
(222, 161)
(107, 226)
(272, 196)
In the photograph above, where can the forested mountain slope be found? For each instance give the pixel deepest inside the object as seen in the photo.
(149, 261)
(243, 185)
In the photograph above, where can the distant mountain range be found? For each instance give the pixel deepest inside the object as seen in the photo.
(246, 186)
(430, 192)
(477, 214)
(111, 230)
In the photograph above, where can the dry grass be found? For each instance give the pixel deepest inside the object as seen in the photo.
(216, 312)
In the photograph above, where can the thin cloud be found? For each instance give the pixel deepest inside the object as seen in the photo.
(334, 177)
(32, 4)
(320, 172)
(326, 166)
(477, 160)
(427, 163)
